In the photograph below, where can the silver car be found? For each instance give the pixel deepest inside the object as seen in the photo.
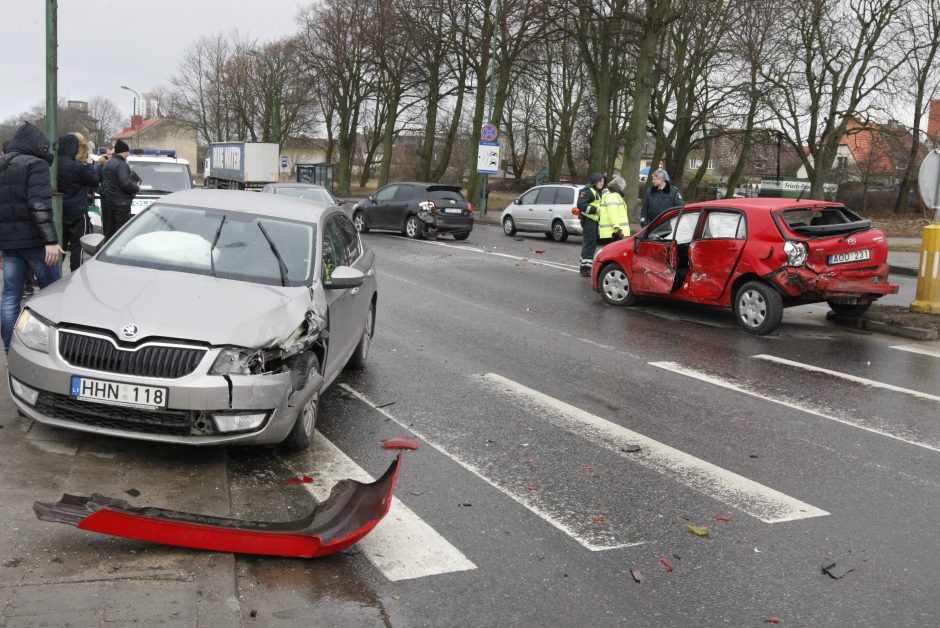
(549, 208)
(213, 317)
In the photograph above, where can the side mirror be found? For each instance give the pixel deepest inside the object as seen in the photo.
(341, 203)
(372, 198)
(515, 201)
(343, 277)
(91, 243)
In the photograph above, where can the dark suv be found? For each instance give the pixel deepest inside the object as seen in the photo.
(416, 209)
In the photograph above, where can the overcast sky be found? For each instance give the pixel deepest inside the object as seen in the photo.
(104, 44)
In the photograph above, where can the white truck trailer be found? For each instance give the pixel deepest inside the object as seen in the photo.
(242, 165)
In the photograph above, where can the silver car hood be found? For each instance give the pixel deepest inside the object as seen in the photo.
(172, 304)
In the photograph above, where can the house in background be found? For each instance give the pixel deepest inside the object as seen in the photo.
(165, 133)
(302, 150)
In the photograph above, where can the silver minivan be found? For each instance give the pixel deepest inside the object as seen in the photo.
(550, 208)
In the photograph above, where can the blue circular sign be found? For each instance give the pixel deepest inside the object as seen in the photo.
(489, 133)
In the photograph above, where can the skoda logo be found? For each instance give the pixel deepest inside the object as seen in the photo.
(851, 241)
(130, 331)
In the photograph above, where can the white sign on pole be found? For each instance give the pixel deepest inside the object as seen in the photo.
(488, 158)
(929, 181)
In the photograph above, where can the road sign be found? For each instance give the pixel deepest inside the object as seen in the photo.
(929, 181)
(489, 133)
(284, 162)
(488, 158)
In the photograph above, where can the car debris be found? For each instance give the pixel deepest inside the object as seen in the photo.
(666, 564)
(351, 511)
(722, 518)
(133, 492)
(637, 576)
(305, 479)
(843, 566)
(701, 531)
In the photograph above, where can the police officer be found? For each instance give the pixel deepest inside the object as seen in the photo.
(661, 196)
(589, 204)
(614, 222)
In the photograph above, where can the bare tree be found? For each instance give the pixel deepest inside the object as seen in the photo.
(109, 119)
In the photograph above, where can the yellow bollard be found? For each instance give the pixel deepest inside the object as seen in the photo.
(928, 274)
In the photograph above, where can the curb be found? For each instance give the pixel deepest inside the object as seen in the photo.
(904, 271)
(913, 333)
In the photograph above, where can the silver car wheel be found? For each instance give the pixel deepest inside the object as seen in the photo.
(509, 226)
(411, 227)
(309, 415)
(752, 308)
(616, 285)
(358, 222)
(367, 334)
(558, 231)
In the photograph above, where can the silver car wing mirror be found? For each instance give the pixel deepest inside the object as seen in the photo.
(344, 277)
(91, 243)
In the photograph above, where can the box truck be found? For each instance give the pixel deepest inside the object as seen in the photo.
(242, 165)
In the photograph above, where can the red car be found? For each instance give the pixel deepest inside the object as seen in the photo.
(756, 256)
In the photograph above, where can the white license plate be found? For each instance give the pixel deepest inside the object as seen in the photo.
(453, 210)
(117, 393)
(849, 257)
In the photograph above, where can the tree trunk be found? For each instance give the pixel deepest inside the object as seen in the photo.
(430, 125)
(388, 140)
(636, 131)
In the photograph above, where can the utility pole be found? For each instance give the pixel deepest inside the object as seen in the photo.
(52, 109)
(489, 105)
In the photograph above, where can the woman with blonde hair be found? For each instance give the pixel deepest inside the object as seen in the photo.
(77, 179)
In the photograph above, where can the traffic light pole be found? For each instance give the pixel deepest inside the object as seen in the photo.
(52, 107)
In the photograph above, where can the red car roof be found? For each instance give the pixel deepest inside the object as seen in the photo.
(761, 204)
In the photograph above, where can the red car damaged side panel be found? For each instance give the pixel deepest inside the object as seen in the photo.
(352, 510)
(798, 282)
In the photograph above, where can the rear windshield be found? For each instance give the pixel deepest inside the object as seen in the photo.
(822, 221)
(158, 178)
(445, 195)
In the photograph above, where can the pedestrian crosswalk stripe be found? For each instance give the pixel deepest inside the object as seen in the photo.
(852, 378)
(757, 500)
(724, 383)
(921, 349)
(402, 546)
(524, 500)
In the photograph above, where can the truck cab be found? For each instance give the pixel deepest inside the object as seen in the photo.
(161, 172)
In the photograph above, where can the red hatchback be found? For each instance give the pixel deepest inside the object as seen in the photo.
(756, 256)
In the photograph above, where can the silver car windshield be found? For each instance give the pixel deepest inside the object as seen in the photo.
(227, 245)
(157, 178)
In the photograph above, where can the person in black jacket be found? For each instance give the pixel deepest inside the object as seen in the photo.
(76, 177)
(661, 196)
(28, 238)
(119, 185)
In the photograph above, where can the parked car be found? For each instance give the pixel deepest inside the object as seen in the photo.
(417, 210)
(306, 191)
(756, 256)
(212, 317)
(550, 209)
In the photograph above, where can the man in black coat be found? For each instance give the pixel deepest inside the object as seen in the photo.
(661, 196)
(118, 188)
(28, 238)
(76, 177)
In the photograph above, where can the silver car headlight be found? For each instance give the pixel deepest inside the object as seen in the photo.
(33, 331)
(797, 252)
(237, 361)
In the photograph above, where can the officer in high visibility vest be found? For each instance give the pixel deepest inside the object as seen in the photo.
(614, 222)
(589, 204)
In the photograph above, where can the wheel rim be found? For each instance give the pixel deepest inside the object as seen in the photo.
(310, 415)
(616, 285)
(558, 231)
(358, 222)
(752, 308)
(411, 227)
(507, 226)
(367, 334)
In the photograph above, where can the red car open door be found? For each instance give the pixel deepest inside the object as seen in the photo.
(653, 270)
(714, 255)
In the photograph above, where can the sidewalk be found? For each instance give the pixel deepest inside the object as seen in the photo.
(903, 262)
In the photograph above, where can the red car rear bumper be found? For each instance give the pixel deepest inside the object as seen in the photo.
(803, 281)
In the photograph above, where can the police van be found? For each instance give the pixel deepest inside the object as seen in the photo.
(161, 172)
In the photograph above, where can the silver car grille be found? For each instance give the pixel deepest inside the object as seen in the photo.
(100, 353)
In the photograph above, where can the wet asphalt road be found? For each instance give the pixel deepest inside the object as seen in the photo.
(564, 444)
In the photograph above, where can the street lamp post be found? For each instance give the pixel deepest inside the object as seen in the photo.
(134, 111)
(52, 107)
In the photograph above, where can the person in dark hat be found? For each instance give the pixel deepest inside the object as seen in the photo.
(119, 186)
(76, 178)
(28, 238)
(589, 204)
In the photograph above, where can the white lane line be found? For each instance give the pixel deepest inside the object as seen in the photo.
(475, 470)
(852, 378)
(528, 260)
(724, 383)
(919, 349)
(757, 500)
(402, 546)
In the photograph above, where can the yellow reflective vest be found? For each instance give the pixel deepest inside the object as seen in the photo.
(613, 215)
(596, 204)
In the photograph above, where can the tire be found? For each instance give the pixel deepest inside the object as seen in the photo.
(509, 226)
(846, 310)
(301, 435)
(359, 356)
(758, 308)
(414, 228)
(615, 286)
(462, 236)
(559, 232)
(359, 220)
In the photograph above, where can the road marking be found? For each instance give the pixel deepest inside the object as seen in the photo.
(724, 383)
(919, 349)
(852, 378)
(757, 500)
(402, 546)
(524, 501)
(556, 265)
